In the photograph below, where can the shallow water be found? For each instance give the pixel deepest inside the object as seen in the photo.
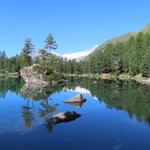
(115, 116)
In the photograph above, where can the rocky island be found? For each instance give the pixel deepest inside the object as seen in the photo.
(37, 75)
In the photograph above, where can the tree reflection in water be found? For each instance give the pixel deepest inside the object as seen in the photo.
(28, 115)
(46, 113)
(130, 97)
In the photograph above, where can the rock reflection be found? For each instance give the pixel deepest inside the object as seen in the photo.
(46, 110)
(77, 105)
(130, 97)
(38, 92)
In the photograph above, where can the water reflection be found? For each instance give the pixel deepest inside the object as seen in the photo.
(35, 92)
(28, 114)
(10, 84)
(130, 97)
(46, 112)
(78, 105)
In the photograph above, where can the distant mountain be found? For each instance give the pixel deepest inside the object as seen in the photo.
(84, 55)
(78, 56)
(122, 38)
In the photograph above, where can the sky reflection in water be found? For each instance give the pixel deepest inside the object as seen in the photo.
(116, 116)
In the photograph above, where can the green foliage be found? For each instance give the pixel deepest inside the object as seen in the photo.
(48, 73)
(131, 56)
(12, 64)
(26, 52)
(145, 65)
(50, 43)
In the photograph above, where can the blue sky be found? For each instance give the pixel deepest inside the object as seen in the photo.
(76, 24)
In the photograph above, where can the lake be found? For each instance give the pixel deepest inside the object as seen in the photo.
(115, 116)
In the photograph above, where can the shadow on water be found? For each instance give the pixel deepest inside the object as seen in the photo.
(130, 97)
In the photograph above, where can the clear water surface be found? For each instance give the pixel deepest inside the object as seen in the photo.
(115, 116)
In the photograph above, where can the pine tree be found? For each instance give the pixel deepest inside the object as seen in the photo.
(145, 64)
(26, 52)
(50, 43)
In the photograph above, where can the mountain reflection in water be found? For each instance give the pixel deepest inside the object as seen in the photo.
(112, 110)
(130, 97)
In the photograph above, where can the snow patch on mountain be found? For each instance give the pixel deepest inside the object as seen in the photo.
(77, 56)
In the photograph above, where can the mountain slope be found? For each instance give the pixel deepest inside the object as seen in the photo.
(78, 56)
(122, 38)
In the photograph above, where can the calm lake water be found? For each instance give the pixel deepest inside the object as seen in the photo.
(115, 116)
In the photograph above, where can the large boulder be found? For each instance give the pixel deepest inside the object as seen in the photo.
(61, 118)
(40, 74)
(30, 75)
(65, 117)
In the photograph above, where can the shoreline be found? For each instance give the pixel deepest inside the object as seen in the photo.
(104, 76)
(123, 77)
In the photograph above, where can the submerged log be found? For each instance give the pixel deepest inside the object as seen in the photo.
(76, 99)
(65, 117)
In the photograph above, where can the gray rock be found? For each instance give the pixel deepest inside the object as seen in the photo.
(65, 117)
(31, 76)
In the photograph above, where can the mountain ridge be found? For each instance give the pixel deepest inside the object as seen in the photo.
(121, 38)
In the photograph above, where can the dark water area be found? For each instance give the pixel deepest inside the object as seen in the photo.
(115, 116)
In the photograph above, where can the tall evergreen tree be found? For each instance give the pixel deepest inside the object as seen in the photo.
(50, 43)
(26, 51)
(145, 64)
